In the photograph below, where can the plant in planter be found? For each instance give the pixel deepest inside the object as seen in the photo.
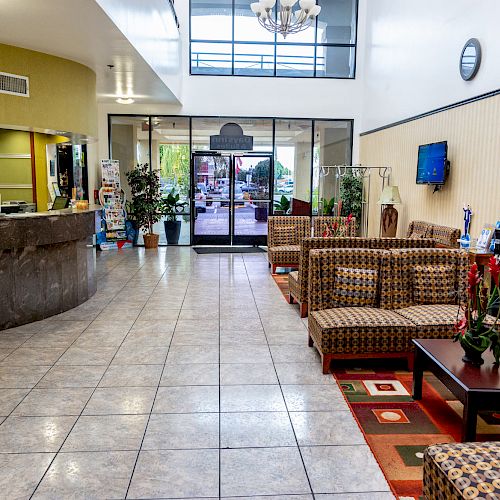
(172, 207)
(146, 204)
(476, 331)
(328, 206)
(351, 192)
(281, 207)
(260, 206)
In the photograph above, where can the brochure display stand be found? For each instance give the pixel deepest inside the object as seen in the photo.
(112, 199)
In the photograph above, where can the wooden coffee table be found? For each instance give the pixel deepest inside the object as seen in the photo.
(478, 388)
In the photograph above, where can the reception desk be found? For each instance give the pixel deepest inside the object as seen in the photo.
(47, 264)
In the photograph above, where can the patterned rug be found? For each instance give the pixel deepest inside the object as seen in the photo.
(397, 428)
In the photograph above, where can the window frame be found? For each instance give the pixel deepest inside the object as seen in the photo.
(276, 43)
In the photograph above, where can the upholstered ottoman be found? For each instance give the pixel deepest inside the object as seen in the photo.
(462, 470)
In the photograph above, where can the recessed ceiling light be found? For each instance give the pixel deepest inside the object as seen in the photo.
(125, 100)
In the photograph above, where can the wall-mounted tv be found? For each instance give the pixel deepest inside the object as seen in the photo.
(433, 165)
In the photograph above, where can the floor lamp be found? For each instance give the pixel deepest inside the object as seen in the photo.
(389, 220)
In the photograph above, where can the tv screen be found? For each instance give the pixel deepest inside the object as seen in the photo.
(432, 163)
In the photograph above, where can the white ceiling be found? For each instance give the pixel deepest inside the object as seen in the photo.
(81, 31)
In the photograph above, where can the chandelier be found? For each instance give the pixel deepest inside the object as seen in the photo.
(288, 21)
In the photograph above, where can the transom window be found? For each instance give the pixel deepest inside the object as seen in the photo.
(226, 39)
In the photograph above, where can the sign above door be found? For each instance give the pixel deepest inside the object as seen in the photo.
(231, 138)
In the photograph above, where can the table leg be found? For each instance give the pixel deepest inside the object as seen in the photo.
(469, 419)
(418, 374)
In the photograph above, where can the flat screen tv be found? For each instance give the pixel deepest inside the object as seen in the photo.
(432, 167)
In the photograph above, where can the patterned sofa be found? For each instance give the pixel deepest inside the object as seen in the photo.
(298, 280)
(364, 302)
(321, 221)
(283, 239)
(455, 471)
(443, 235)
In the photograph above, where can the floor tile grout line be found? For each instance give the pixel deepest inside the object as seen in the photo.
(83, 409)
(157, 388)
(281, 389)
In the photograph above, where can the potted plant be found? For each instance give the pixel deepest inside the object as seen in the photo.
(475, 330)
(260, 206)
(146, 204)
(172, 207)
(328, 206)
(281, 207)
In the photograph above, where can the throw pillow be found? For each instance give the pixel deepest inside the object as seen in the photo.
(355, 287)
(434, 284)
(285, 235)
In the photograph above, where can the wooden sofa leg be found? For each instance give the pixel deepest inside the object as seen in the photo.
(410, 358)
(269, 265)
(290, 298)
(311, 342)
(327, 359)
(303, 309)
(273, 268)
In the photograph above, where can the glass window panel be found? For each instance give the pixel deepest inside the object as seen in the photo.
(211, 58)
(335, 62)
(171, 157)
(211, 20)
(294, 60)
(292, 167)
(253, 59)
(246, 25)
(332, 146)
(337, 21)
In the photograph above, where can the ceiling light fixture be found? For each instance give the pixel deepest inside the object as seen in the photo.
(288, 21)
(125, 100)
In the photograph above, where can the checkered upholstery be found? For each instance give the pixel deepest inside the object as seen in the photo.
(404, 261)
(320, 221)
(389, 243)
(322, 264)
(419, 229)
(279, 254)
(456, 471)
(299, 284)
(360, 330)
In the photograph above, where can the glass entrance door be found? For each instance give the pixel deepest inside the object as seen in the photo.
(231, 198)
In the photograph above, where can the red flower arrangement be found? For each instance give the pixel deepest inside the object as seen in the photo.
(336, 229)
(475, 330)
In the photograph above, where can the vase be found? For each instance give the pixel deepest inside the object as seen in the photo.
(151, 240)
(472, 356)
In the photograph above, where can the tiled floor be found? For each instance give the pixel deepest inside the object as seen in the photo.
(186, 376)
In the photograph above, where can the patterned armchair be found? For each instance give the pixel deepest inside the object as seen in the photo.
(432, 320)
(283, 239)
(419, 229)
(298, 281)
(320, 222)
(477, 467)
(349, 331)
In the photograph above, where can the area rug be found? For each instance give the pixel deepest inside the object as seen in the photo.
(398, 429)
(207, 250)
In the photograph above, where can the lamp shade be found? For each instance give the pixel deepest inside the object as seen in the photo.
(390, 196)
(256, 7)
(315, 10)
(307, 4)
(268, 4)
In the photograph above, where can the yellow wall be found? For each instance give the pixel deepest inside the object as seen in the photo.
(15, 171)
(473, 135)
(62, 94)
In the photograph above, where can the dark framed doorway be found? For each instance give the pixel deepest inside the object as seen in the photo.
(231, 198)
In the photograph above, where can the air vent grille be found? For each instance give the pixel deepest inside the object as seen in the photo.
(14, 85)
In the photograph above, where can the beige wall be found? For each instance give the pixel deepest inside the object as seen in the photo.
(473, 135)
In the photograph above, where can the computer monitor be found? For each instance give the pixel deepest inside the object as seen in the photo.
(60, 202)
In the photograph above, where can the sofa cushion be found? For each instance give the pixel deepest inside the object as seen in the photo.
(434, 284)
(286, 235)
(432, 321)
(355, 287)
(354, 330)
(284, 254)
(462, 470)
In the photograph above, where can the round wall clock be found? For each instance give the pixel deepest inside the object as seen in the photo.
(470, 59)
